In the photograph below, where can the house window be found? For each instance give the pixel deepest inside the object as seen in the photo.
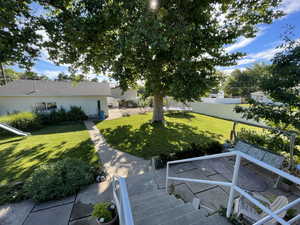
(45, 106)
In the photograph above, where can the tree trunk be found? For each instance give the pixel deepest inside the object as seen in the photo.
(3, 74)
(158, 113)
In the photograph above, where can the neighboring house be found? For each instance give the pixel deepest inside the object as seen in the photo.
(118, 95)
(259, 96)
(45, 95)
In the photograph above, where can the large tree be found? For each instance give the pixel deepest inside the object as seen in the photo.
(243, 82)
(171, 45)
(283, 87)
(18, 35)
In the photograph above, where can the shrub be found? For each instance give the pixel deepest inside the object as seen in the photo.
(76, 114)
(25, 121)
(12, 193)
(266, 140)
(195, 150)
(58, 180)
(103, 211)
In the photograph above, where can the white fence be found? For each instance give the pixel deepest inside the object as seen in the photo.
(222, 100)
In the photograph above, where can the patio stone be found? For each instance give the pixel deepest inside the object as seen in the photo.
(256, 183)
(94, 193)
(205, 167)
(54, 203)
(15, 214)
(84, 221)
(183, 167)
(81, 210)
(184, 192)
(213, 198)
(58, 215)
(196, 187)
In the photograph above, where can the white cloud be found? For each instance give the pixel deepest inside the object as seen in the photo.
(229, 70)
(266, 55)
(52, 74)
(243, 42)
(290, 6)
(245, 61)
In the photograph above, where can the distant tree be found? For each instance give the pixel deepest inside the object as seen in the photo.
(18, 37)
(243, 82)
(29, 75)
(62, 76)
(11, 75)
(173, 46)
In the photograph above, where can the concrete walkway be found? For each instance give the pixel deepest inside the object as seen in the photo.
(116, 163)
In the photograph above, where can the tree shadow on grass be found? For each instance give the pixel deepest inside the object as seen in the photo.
(180, 115)
(18, 165)
(154, 139)
(61, 128)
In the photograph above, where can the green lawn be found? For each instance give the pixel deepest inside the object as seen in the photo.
(19, 156)
(136, 135)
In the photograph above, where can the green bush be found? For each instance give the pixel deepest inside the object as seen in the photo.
(58, 180)
(272, 142)
(195, 150)
(266, 140)
(103, 211)
(76, 114)
(61, 115)
(25, 121)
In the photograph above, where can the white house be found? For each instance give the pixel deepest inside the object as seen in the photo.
(118, 95)
(259, 96)
(44, 95)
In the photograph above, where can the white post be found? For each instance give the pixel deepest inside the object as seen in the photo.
(167, 177)
(234, 181)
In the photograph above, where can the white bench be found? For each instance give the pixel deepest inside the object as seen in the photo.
(263, 155)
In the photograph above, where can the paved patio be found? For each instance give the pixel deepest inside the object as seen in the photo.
(212, 197)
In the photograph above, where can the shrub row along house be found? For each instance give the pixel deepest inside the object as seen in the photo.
(45, 95)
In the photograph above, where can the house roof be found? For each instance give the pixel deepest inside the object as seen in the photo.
(54, 88)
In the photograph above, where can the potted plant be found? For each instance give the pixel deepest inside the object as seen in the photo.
(105, 213)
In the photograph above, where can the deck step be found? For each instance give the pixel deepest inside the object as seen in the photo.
(147, 196)
(156, 207)
(163, 216)
(188, 218)
(151, 206)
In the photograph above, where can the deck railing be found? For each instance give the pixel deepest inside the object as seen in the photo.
(122, 202)
(233, 185)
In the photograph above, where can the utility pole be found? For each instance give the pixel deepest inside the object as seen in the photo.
(3, 74)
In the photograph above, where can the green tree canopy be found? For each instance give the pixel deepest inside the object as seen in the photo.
(19, 40)
(283, 87)
(173, 46)
(243, 82)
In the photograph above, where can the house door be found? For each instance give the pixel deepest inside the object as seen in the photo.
(98, 106)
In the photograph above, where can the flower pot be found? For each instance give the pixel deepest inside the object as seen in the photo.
(112, 222)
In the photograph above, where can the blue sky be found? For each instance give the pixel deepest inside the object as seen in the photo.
(259, 49)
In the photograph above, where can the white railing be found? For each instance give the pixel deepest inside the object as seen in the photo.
(122, 202)
(233, 185)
